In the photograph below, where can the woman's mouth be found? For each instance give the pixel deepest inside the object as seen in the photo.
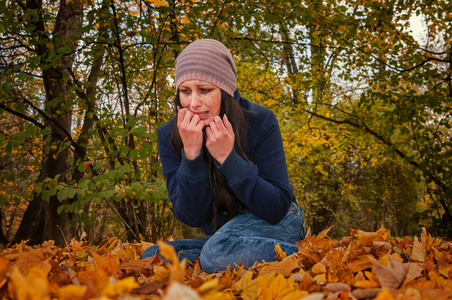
(202, 115)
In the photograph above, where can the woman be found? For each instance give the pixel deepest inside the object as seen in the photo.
(225, 166)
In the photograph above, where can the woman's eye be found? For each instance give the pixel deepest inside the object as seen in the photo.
(205, 91)
(185, 92)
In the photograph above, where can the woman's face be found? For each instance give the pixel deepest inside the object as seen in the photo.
(201, 98)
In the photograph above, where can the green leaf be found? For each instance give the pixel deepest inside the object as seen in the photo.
(124, 169)
(60, 209)
(111, 174)
(46, 131)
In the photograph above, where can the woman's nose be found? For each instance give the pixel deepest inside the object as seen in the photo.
(195, 100)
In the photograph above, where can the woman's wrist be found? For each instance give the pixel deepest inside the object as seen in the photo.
(191, 153)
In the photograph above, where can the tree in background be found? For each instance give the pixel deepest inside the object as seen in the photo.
(65, 72)
(357, 67)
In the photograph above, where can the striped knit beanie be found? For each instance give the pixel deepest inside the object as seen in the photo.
(207, 60)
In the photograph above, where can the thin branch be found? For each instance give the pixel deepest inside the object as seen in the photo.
(25, 117)
(217, 17)
(122, 220)
(368, 130)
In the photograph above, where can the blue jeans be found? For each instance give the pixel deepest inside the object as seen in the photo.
(244, 239)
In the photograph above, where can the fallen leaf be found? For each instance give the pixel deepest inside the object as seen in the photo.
(34, 285)
(134, 268)
(177, 268)
(72, 292)
(360, 263)
(337, 287)
(314, 296)
(391, 276)
(414, 272)
(324, 233)
(419, 252)
(246, 286)
(285, 267)
(150, 288)
(280, 255)
(179, 291)
(318, 268)
(385, 294)
(366, 293)
(279, 287)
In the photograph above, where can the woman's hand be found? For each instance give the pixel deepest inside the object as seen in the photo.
(190, 130)
(220, 138)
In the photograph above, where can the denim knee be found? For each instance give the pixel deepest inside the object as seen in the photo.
(222, 251)
(215, 255)
(151, 251)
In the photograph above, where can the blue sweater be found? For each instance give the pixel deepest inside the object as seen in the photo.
(260, 184)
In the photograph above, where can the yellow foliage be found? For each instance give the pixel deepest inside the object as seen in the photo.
(280, 255)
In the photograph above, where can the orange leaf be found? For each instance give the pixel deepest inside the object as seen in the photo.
(359, 264)
(107, 263)
(324, 233)
(318, 268)
(371, 283)
(366, 237)
(285, 267)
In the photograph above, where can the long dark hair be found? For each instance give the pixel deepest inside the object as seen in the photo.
(224, 200)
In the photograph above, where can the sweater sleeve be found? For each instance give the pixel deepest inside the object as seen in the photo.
(187, 182)
(262, 184)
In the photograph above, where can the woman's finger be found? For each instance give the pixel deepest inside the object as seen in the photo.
(227, 124)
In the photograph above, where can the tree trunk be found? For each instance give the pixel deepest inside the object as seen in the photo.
(3, 239)
(41, 221)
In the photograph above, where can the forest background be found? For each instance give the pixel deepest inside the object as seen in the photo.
(364, 107)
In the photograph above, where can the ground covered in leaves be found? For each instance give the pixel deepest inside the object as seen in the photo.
(364, 265)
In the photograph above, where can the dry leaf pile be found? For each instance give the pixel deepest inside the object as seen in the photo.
(364, 265)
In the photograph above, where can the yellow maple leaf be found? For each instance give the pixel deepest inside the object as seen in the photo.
(320, 278)
(246, 286)
(369, 283)
(107, 263)
(280, 255)
(384, 295)
(383, 234)
(211, 290)
(295, 295)
(280, 287)
(161, 274)
(120, 287)
(71, 292)
(177, 268)
(32, 286)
